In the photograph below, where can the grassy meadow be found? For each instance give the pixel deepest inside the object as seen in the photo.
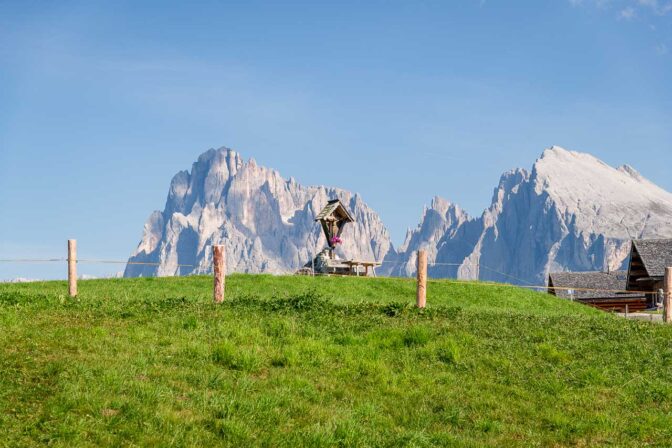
(303, 361)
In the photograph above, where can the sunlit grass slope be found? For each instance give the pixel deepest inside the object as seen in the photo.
(302, 361)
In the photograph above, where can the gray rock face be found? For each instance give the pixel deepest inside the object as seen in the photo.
(440, 221)
(264, 221)
(571, 212)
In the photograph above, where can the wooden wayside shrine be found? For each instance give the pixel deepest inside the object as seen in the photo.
(333, 218)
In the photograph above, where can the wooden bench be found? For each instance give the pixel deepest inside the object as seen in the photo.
(354, 266)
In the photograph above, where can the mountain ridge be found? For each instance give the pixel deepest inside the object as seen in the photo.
(571, 211)
(265, 221)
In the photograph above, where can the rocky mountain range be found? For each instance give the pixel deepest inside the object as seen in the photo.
(265, 221)
(571, 211)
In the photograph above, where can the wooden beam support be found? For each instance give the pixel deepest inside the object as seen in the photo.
(421, 293)
(72, 268)
(219, 270)
(667, 298)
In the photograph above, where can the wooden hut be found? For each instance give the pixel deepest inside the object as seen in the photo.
(604, 290)
(646, 269)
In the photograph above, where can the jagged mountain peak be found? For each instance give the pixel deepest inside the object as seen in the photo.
(561, 165)
(558, 151)
(265, 221)
(221, 156)
(581, 170)
(444, 208)
(572, 211)
(508, 182)
(439, 203)
(599, 195)
(437, 220)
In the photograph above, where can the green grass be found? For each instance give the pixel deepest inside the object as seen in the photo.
(302, 361)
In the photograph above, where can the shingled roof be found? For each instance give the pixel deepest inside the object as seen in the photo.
(656, 255)
(606, 282)
(335, 207)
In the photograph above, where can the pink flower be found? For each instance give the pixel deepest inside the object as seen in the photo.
(335, 240)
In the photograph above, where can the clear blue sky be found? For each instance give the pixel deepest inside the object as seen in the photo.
(101, 103)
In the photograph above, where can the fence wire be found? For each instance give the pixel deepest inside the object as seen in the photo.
(86, 260)
(527, 284)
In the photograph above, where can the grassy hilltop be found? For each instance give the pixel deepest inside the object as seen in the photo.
(302, 361)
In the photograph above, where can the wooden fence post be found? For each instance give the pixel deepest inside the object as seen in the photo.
(72, 268)
(421, 296)
(219, 268)
(667, 297)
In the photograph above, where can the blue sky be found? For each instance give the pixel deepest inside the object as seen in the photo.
(101, 103)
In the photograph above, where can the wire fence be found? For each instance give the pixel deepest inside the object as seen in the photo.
(86, 260)
(141, 263)
(521, 283)
(479, 265)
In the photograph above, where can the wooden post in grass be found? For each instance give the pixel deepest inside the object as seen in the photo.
(421, 296)
(219, 268)
(72, 268)
(667, 297)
